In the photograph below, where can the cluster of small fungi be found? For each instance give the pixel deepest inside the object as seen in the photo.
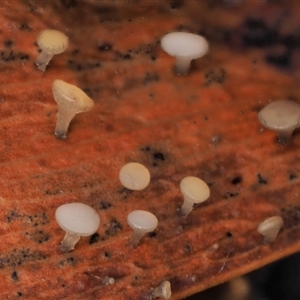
(78, 219)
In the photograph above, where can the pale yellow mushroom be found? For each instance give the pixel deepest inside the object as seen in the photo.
(282, 116)
(162, 291)
(141, 222)
(194, 190)
(270, 227)
(71, 100)
(184, 47)
(51, 42)
(76, 219)
(134, 176)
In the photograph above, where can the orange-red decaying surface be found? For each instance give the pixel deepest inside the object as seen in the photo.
(203, 124)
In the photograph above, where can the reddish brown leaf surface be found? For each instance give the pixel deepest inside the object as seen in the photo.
(203, 124)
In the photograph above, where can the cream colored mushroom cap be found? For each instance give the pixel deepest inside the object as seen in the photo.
(134, 176)
(52, 41)
(184, 44)
(77, 218)
(270, 225)
(142, 220)
(280, 115)
(66, 94)
(195, 189)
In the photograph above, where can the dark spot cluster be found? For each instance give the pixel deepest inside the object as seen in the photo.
(176, 4)
(215, 77)
(150, 77)
(80, 66)
(292, 176)
(69, 261)
(228, 234)
(38, 236)
(152, 234)
(281, 59)
(94, 238)
(147, 50)
(104, 205)
(107, 13)
(113, 228)
(261, 179)
(231, 195)
(237, 180)
(13, 215)
(104, 47)
(125, 193)
(68, 3)
(122, 56)
(258, 34)
(38, 219)
(8, 43)
(14, 276)
(19, 256)
(8, 56)
(156, 156)
(25, 27)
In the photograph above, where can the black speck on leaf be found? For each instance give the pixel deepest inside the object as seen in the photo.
(261, 180)
(94, 238)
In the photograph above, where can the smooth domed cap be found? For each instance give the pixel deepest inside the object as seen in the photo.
(194, 188)
(70, 95)
(280, 115)
(270, 225)
(52, 41)
(134, 176)
(142, 220)
(184, 44)
(77, 218)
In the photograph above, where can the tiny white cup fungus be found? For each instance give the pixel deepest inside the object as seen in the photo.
(76, 219)
(194, 190)
(134, 176)
(282, 116)
(270, 227)
(185, 47)
(51, 42)
(108, 280)
(141, 222)
(162, 291)
(71, 100)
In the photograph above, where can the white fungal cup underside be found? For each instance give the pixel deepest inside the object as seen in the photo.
(142, 220)
(68, 94)
(52, 41)
(194, 189)
(134, 176)
(77, 218)
(280, 115)
(184, 44)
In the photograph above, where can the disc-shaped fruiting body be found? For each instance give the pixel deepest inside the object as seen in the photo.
(51, 42)
(184, 47)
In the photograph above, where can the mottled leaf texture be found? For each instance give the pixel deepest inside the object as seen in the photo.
(203, 124)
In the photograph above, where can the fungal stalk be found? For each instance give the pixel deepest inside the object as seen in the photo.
(134, 176)
(194, 190)
(270, 228)
(76, 219)
(51, 42)
(283, 116)
(141, 222)
(184, 47)
(162, 291)
(71, 100)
